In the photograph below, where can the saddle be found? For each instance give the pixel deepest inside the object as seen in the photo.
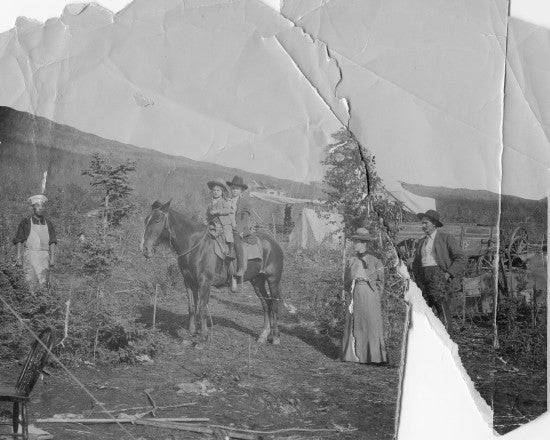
(252, 247)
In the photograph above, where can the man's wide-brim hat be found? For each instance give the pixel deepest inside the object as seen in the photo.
(432, 215)
(238, 181)
(39, 199)
(217, 182)
(363, 234)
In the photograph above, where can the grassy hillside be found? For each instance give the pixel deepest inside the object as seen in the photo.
(31, 144)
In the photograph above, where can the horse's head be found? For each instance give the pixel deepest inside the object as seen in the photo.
(155, 224)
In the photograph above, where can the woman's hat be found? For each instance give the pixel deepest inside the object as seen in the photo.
(363, 234)
(432, 215)
(39, 199)
(238, 181)
(218, 182)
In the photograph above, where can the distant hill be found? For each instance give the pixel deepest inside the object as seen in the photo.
(462, 205)
(31, 144)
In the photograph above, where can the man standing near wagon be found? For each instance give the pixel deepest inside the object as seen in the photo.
(438, 260)
(241, 230)
(37, 235)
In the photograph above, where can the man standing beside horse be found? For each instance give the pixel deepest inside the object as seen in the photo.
(438, 260)
(241, 230)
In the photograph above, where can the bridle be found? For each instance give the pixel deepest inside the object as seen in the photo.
(170, 233)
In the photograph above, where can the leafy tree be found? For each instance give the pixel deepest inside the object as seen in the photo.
(113, 182)
(357, 192)
(99, 247)
(352, 178)
(115, 188)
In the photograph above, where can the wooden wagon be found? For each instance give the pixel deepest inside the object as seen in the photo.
(475, 240)
(482, 244)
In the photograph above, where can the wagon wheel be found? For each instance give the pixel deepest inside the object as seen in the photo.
(502, 279)
(517, 245)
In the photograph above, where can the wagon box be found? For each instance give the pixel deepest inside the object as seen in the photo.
(472, 238)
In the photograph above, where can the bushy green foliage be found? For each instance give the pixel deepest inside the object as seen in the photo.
(104, 326)
(522, 332)
(357, 192)
(351, 175)
(113, 182)
(98, 252)
(323, 281)
(21, 309)
(96, 273)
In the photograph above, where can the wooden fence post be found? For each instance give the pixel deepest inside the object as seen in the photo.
(155, 306)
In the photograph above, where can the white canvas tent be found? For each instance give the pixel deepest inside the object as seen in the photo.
(317, 229)
(411, 201)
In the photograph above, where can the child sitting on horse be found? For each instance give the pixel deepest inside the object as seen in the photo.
(219, 212)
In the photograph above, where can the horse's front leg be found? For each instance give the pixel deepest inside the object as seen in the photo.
(192, 310)
(191, 305)
(202, 309)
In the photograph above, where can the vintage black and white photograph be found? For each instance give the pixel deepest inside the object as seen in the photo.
(218, 217)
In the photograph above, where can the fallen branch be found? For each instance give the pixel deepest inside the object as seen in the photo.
(66, 324)
(230, 432)
(337, 428)
(152, 401)
(137, 408)
(176, 423)
(123, 420)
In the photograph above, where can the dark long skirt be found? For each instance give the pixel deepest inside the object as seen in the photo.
(363, 339)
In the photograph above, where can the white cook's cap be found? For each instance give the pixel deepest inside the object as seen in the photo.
(39, 199)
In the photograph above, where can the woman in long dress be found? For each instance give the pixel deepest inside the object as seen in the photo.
(363, 339)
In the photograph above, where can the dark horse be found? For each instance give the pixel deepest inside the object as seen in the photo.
(202, 268)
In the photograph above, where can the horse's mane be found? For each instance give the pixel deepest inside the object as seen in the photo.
(186, 221)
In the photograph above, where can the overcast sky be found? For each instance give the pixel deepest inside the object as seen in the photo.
(537, 11)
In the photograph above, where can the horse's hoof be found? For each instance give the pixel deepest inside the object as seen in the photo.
(199, 345)
(262, 340)
(186, 343)
(276, 341)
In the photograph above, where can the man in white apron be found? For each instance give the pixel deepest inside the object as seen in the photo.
(37, 235)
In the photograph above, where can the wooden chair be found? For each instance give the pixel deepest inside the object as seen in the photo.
(20, 393)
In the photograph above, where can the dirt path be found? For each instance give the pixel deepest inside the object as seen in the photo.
(296, 384)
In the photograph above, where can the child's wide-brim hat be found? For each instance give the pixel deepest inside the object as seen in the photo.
(217, 182)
